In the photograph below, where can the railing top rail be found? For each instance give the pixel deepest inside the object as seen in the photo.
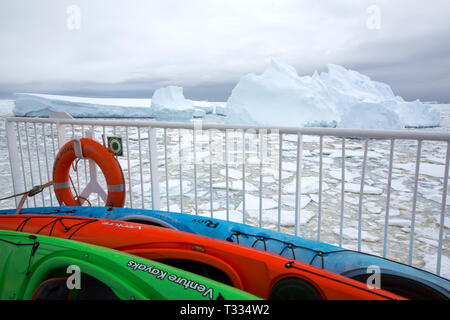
(319, 131)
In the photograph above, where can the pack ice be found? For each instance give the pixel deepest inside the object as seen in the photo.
(340, 97)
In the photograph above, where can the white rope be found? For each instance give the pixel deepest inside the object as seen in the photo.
(77, 149)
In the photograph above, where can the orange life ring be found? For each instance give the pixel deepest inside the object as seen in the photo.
(103, 158)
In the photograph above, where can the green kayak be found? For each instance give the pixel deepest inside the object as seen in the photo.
(42, 267)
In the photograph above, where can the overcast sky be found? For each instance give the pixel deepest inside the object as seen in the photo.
(129, 48)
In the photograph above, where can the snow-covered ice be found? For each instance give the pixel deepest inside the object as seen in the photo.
(252, 203)
(280, 97)
(235, 185)
(352, 234)
(169, 103)
(370, 116)
(287, 217)
(355, 188)
(44, 105)
(308, 185)
(339, 97)
(434, 170)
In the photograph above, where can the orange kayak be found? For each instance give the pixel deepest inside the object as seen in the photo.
(263, 274)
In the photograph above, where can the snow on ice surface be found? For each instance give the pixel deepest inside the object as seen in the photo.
(6, 108)
(169, 102)
(339, 97)
(171, 97)
(370, 116)
(280, 97)
(169, 105)
(43, 105)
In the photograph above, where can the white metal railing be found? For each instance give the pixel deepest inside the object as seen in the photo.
(155, 153)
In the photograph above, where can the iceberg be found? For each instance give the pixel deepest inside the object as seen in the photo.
(370, 116)
(221, 110)
(6, 108)
(340, 97)
(44, 105)
(280, 97)
(169, 104)
(415, 114)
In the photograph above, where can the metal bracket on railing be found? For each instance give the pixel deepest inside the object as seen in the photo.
(93, 186)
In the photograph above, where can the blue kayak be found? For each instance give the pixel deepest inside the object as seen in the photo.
(407, 281)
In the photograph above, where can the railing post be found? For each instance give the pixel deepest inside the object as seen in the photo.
(18, 186)
(443, 207)
(153, 151)
(60, 128)
(298, 178)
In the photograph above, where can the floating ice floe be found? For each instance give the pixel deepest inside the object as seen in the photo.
(289, 200)
(235, 216)
(373, 208)
(233, 173)
(337, 174)
(252, 203)
(235, 185)
(174, 187)
(399, 223)
(398, 184)
(352, 234)
(339, 97)
(431, 261)
(308, 185)
(356, 188)
(287, 218)
(434, 170)
(207, 206)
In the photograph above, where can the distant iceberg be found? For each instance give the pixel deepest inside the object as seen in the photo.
(44, 105)
(168, 104)
(339, 97)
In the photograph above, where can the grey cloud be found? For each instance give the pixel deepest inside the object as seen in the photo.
(129, 48)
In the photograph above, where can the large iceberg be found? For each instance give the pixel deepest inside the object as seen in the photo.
(339, 97)
(370, 116)
(280, 97)
(167, 104)
(415, 114)
(44, 105)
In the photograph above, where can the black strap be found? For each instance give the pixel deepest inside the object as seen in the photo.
(287, 246)
(35, 246)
